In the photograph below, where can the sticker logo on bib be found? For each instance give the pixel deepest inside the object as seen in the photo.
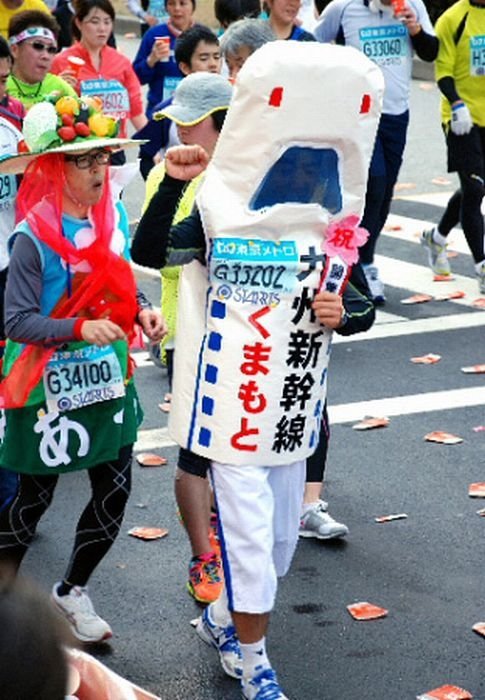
(254, 271)
(385, 46)
(114, 96)
(477, 56)
(78, 378)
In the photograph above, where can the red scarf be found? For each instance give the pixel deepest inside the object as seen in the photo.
(108, 291)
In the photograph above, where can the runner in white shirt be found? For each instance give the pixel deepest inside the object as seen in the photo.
(387, 33)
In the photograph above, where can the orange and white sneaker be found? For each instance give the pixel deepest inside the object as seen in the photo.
(205, 577)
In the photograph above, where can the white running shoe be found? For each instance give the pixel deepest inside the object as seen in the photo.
(437, 257)
(375, 284)
(263, 686)
(319, 524)
(78, 609)
(224, 639)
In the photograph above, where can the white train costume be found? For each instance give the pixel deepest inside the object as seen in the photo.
(279, 205)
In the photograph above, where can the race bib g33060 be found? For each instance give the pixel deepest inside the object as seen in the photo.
(384, 45)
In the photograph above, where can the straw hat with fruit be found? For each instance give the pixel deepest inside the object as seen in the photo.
(64, 125)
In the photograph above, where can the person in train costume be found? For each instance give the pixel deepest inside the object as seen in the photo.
(279, 208)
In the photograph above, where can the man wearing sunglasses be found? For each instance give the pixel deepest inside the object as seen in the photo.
(33, 42)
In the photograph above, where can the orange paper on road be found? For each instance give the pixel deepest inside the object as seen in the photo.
(389, 518)
(443, 438)
(148, 533)
(441, 181)
(477, 490)
(417, 299)
(366, 611)
(443, 278)
(474, 369)
(479, 303)
(479, 628)
(370, 422)
(149, 459)
(446, 692)
(452, 295)
(429, 359)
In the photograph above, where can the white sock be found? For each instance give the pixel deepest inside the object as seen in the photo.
(219, 610)
(478, 266)
(308, 506)
(438, 237)
(254, 658)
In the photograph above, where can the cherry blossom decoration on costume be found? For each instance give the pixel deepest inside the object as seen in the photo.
(290, 164)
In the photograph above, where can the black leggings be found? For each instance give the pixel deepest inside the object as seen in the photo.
(315, 465)
(464, 206)
(98, 525)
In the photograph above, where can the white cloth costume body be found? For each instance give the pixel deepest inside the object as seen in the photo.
(249, 390)
(292, 159)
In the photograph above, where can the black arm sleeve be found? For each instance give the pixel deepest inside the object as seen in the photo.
(447, 87)
(358, 304)
(156, 242)
(150, 243)
(425, 45)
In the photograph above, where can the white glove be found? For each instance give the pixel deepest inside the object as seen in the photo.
(461, 120)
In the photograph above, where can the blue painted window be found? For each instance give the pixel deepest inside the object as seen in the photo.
(302, 175)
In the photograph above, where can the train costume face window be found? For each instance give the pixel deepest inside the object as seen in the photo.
(280, 206)
(302, 175)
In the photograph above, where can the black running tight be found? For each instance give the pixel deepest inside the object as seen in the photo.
(98, 525)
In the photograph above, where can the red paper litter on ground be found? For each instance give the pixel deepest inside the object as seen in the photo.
(429, 359)
(441, 181)
(479, 628)
(369, 423)
(446, 692)
(417, 299)
(389, 518)
(148, 533)
(479, 303)
(452, 295)
(443, 438)
(443, 278)
(149, 459)
(474, 369)
(366, 611)
(479, 429)
(481, 512)
(477, 490)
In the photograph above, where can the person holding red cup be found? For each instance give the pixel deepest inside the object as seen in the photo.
(155, 63)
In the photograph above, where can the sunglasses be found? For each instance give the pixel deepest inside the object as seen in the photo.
(87, 160)
(39, 47)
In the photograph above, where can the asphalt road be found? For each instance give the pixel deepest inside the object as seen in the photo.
(427, 570)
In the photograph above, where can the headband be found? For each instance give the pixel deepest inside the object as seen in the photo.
(31, 33)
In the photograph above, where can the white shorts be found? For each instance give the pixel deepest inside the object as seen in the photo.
(259, 513)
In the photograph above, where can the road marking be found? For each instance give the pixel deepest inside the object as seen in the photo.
(156, 438)
(423, 325)
(159, 438)
(406, 405)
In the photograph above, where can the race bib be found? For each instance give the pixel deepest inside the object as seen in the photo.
(78, 378)
(385, 45)
(8, 192)
(477, 56)
(169, 85)
(253, 271)
(114, 96)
